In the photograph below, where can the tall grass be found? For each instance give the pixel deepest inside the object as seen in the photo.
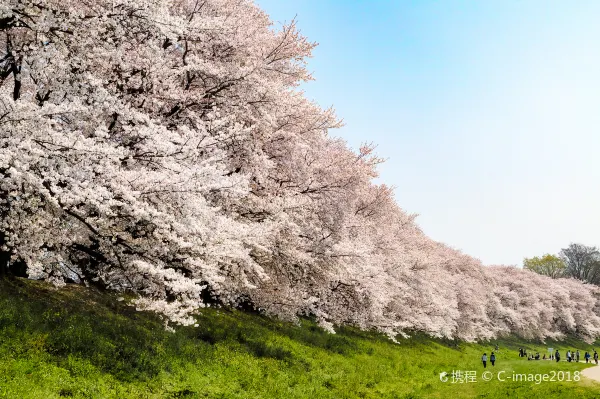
(80, 343)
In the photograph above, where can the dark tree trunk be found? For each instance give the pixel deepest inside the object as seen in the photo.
(4, 258)
(18, 269)
(8, 268)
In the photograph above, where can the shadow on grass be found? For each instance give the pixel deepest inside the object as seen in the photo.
(85, 323)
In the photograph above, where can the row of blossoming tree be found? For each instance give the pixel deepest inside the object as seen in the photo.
(162, 147)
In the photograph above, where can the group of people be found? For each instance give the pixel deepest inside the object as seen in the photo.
(523, 353)
(587, 356)
(492, 359)
(572, 356)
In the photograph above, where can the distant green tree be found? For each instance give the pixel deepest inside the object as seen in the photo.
(548, 265)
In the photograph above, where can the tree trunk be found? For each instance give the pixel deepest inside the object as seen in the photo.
(4, 258)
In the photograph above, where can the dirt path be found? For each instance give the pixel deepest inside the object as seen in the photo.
(593, 373)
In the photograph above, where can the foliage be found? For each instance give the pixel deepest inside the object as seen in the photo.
(582, 262)
(547, 265)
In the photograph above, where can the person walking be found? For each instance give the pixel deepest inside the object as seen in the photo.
(577, 356)
(595, 356)
(568, 356)
(557, 356)
(587, 357)
(492, 358)
(484, 360)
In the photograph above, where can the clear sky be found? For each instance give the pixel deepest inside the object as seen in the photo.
(488, 112)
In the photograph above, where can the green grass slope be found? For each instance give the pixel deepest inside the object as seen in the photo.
(79, 343)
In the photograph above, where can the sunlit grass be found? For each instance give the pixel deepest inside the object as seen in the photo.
(80, 343)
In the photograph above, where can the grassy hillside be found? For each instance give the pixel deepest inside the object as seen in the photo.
(79, 343)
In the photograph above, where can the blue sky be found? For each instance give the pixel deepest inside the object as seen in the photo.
(488, 112)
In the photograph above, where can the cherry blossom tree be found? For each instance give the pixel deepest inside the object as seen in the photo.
(163, 147)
